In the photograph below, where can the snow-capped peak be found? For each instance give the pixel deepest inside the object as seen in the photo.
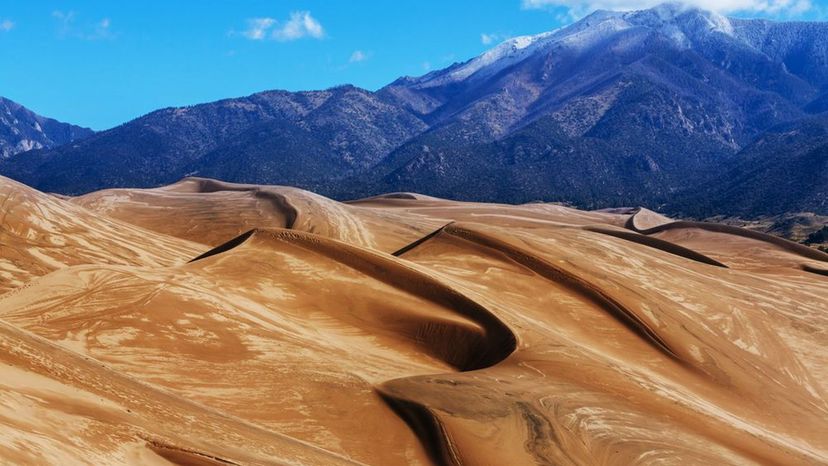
(676, 21)
(679, 16)
(505, 53)
(517, 49)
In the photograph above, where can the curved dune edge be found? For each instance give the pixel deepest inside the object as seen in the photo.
(395, 196)
(282, 204)
(571, 281)
(185, 457)
(815, 270)
(464, 351)
(782, 243)
(208, 185)
(566, 278)
(499, 342)
(425, 424)
(642, 219)
(659, 244)
(233, 243)
(420, 241)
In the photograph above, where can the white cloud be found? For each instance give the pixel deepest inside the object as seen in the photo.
(257, 28)
(301, 24)
(358, 56)
(6, 25)
(582, 7)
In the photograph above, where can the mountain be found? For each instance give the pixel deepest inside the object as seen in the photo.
(21, 130)
(288, 136)
(784, 170)
(620, 108)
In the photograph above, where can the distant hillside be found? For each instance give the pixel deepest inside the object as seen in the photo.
(22, 130)
(784, 170)
(275, 136)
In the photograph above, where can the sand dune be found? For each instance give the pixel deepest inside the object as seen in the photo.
(215, 323)
(739, 247)
(213, 212)
(41, 233)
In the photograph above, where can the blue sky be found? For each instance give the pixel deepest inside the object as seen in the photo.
(101, 63)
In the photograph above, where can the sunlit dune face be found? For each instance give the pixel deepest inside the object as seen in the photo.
(213, 323)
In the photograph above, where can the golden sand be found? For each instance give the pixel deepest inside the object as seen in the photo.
(215, 323)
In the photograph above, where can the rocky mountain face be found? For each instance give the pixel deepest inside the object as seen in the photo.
(22, 130)
(276, 136)
(620, 108)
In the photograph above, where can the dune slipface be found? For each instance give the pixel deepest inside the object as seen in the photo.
(214, 323)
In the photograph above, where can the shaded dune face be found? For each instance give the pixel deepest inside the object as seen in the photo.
(268, 325)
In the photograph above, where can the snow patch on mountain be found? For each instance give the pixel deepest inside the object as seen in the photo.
(678, 22)
(503, 55)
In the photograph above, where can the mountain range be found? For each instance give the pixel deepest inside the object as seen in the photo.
(672, 107)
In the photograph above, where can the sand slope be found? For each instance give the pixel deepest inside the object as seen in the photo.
(41, 233)
(214, 323)
(213, 212)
